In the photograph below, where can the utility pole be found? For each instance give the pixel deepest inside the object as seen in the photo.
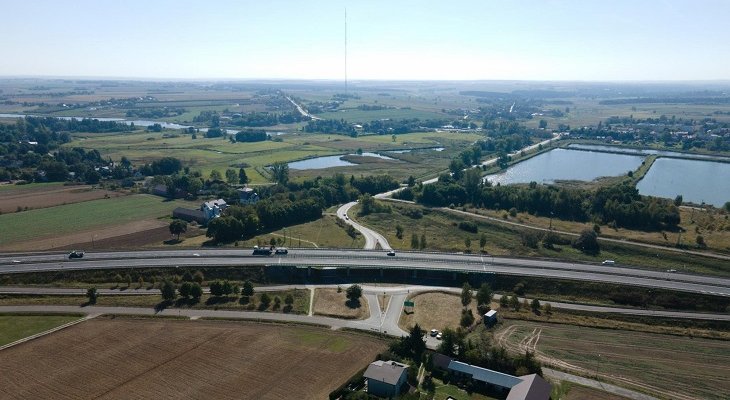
(551, 220)
(345, 51)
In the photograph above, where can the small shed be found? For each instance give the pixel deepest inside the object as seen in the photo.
(490, 318)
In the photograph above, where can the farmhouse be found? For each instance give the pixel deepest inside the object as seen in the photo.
(386, 378)
(190, 215)
(207, 211)
(161, 190)
(213, 209)
(490, 318)
(528, 387)
(247, 196)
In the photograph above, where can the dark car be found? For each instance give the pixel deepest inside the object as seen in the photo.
(76, 254)
(391, 253)
(261, 251)
(282, 250)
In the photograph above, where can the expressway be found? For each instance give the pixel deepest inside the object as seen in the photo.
(354, 259)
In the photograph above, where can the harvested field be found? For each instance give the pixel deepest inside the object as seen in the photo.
(435, 310)
(154, 237)
(329, 303)
(148, 358)
(662, 365)
(37, 196)
(133, 232)
(63, 225)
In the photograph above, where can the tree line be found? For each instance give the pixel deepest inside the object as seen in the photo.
(293, 204)
(618, 205)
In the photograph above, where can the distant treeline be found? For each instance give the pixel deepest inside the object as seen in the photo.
(253, 119)
(30, 150)
(155, 112)
(384, 127)
(668, 100)
(252, 135)
(294, 204)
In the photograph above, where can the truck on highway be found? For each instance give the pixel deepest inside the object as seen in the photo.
(263, 251)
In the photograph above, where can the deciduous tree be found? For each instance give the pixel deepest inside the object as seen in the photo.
(178, 226)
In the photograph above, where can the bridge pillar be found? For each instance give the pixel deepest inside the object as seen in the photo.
(382, 271)
(309, 271)
(348, 271)
(454, 275)
(415, 273)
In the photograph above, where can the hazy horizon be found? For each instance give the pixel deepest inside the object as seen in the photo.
(558, 41)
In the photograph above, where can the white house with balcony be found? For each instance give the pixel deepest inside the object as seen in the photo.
(213, 208)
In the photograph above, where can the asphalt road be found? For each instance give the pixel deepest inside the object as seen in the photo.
(373, 259)
(389, 318)
(372, 238)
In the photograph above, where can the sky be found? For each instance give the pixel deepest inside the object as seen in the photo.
(588, 40)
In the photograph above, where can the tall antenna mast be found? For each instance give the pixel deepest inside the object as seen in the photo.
(345, 51)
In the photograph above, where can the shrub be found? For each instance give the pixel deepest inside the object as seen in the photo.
(469, 226)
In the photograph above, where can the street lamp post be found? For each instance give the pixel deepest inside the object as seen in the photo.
(551, 220)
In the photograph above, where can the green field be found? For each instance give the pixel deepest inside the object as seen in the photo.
(207, 154)
(72, 218)
(324, 233)
(15, 327)
(442, 233)
(31, 186)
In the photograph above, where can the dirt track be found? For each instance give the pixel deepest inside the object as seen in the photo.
(145, 359)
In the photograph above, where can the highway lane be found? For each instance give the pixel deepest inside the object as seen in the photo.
(388, 320)
(335, 256)
(372, 238)
(378, 259)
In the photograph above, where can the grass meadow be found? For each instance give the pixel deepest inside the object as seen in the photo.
(72, 218)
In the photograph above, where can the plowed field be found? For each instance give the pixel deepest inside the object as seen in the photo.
(165, 359)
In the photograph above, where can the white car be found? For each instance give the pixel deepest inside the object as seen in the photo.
(608, 262)
(439, 336)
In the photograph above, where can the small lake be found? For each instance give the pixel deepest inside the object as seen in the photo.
(627, 150)
(695, 180)
(331, 161)
(567, 164)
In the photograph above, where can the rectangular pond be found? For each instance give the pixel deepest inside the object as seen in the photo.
(567, 164)
(697, 181)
